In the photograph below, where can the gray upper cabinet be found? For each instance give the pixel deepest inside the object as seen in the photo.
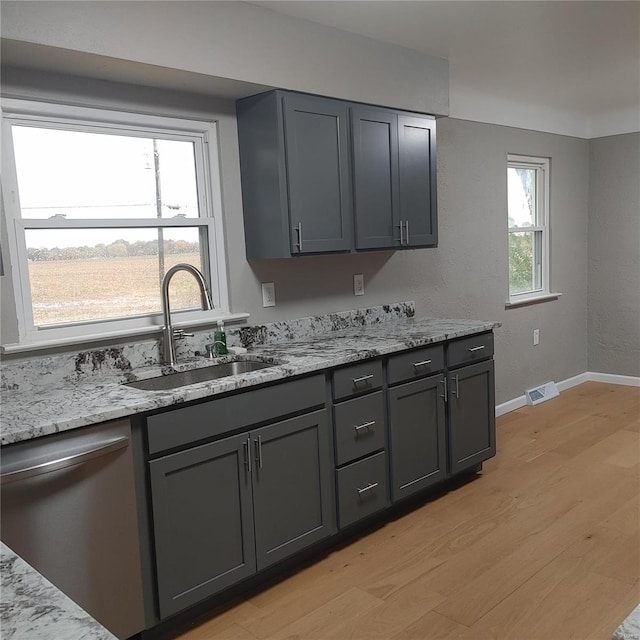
(323, 176)
(295, 175)
(375, 178)
(394, 179)
(417, 180)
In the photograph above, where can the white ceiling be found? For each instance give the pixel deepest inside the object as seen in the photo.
(569, 67)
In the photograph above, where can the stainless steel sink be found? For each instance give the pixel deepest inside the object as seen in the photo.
(184, 378)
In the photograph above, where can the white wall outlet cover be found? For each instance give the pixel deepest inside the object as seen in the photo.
(536, 337)
(268, 294)
(358, 284)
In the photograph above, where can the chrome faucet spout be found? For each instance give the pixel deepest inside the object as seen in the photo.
(169, 348)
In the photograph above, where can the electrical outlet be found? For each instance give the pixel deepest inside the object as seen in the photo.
(358, 284)
(536, 337)
(268, 294)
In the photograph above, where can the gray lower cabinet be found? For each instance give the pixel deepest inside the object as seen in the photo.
(292, 486)
(417, 436)
(202, 521)
(225, 509)
(471, 407)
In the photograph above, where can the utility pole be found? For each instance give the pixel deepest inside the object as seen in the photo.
(156, 165)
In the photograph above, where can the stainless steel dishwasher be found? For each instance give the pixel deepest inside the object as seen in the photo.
(69, 509)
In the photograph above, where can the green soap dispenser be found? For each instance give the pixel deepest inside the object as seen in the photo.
(220, 340)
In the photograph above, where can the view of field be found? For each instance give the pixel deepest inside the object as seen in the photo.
(90, 289)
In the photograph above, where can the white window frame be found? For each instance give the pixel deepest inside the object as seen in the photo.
(542, 166)
(205, 137)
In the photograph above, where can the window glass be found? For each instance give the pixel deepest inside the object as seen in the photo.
(527, 204)
(76, 174)
(77, 275)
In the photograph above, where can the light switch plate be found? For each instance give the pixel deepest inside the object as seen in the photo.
(358, 284)
(268, 294)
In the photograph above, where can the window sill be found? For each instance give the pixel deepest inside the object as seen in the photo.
(525, 302)
(53, 343)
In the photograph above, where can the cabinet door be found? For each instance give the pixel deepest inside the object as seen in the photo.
(203, 521)
(375, 178)
(472, 424)
(417, 171)
(294, 505)
(417, 435)
(318, 174)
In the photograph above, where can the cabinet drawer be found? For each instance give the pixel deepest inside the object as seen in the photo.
(415, 364)
(360, 427)
(357, 378)
(362, 489)
(471, 349)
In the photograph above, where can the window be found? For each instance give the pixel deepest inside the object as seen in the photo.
(99, 205)
(528, 212)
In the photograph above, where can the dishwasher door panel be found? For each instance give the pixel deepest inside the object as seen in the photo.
(69, 509)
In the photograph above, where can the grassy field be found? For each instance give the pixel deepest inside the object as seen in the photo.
(75, 290)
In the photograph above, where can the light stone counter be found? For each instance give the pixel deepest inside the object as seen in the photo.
(32, 608)
(38, 410)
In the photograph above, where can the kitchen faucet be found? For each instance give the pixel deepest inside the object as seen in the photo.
(168, 332)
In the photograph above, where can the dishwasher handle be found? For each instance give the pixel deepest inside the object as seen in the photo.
(67, 461)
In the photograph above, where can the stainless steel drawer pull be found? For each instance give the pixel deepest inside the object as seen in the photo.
(247, 454)
(445, 395)
(456, 391)
(473, 349)
(68, 461)
(369, 487)
(298, 229)
(401, 236)
(424, 363)
(362, 379)
(365, 425)
(406, 227)
(258, 445)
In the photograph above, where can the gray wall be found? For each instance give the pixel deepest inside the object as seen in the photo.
(614, 255)
(466, 276)
(235, 40)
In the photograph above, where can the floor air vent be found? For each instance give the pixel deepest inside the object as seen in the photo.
(546, 391)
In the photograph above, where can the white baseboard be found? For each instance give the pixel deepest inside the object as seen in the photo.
(563, 385)
(613, 378)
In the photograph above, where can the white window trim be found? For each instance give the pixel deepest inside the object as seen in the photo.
(543, 203)
(208, 169)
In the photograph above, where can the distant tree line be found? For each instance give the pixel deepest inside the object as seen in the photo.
(117, 249)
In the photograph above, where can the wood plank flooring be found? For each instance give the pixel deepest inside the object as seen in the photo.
(543, 545)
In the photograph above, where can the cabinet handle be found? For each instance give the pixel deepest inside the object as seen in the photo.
(247, 455)
(445, 394)
(423, 363)
(298, 229)
(457, 389)
(365, 425)
(369, 487)
(401, 236)
(258, 445)
(356, 381)
(474, 349)
(406, 224)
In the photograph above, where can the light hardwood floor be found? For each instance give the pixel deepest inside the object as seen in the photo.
(543, 545)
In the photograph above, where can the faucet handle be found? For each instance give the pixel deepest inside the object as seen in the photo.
(181, 333)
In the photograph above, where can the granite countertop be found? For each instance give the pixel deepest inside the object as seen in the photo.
(29, 414)
(31, 607)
